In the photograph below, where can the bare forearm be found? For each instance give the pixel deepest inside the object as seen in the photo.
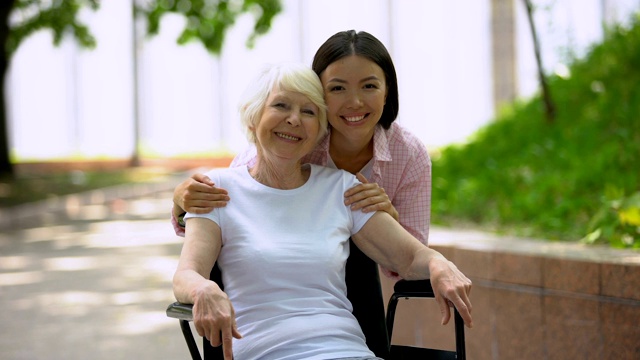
(390, 245)
(186, 283)
(385, 241)
(199, 253)
(419, 268)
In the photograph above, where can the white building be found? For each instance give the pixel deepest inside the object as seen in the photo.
(69, 102)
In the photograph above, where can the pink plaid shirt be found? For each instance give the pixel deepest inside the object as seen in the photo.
(401, 165)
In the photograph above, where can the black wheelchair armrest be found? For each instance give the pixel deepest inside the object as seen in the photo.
(184, 313)
(413, 288)
(423, 289)
(180, 311)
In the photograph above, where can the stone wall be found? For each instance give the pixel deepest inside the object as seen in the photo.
(534, 300)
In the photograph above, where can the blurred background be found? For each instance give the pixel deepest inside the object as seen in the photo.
(457, 62)
(98, 94)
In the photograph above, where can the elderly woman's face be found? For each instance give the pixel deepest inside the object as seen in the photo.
(289, 125)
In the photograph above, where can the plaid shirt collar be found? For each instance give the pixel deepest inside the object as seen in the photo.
(381, 152)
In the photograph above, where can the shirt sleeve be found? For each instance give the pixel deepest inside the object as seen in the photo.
(413, 197)
(214, 215)
(246, 157)
(413, 202)
(409, 175)
(358, 217)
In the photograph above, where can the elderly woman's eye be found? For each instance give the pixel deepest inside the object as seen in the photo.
(309, 112)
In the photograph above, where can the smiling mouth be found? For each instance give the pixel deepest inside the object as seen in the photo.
(353, 119)
(288, 137)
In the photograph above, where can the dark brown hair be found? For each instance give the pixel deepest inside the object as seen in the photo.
(347, 43)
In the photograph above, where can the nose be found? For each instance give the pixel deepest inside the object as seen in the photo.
(354, 100)
(294, 118)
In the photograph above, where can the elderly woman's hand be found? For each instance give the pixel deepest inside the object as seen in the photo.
(369, 197)
(214, 317)
(199, 195)
(451, 287)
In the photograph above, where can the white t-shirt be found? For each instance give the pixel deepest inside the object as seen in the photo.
(283, 265)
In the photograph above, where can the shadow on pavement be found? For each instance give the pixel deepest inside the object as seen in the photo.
(92, 283)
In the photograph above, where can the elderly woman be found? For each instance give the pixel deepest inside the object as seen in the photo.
(282, 242)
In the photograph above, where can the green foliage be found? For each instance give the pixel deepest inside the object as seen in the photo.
(58, 15)
(523, 175)
(208, 20)
(618, 220)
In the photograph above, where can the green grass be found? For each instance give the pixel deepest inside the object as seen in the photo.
(563, 180)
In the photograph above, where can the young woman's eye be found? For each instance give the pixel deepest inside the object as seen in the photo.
(371, 86)
(336, 88)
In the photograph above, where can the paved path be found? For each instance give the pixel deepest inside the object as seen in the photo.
(90, 278)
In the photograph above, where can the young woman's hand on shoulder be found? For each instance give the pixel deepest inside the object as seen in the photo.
(199, 195)
(369, 197)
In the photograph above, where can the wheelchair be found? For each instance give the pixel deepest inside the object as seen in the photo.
(365, 293)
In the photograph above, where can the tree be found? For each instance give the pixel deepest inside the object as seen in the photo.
(32, 16)
(549, 107)
(6, 168)
(208, 21)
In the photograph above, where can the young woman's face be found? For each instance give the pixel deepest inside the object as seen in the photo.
(355, 91)
(289, 125)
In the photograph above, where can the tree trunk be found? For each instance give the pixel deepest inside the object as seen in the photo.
(135, 156)
(549, 108)
(503, 49)
(6, 167)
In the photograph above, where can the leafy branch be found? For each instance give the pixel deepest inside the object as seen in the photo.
(208, 21)
(30, 16)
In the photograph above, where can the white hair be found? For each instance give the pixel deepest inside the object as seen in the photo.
(287, 77)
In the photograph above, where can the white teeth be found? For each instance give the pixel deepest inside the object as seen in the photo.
(354, 118)
(288, 137)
